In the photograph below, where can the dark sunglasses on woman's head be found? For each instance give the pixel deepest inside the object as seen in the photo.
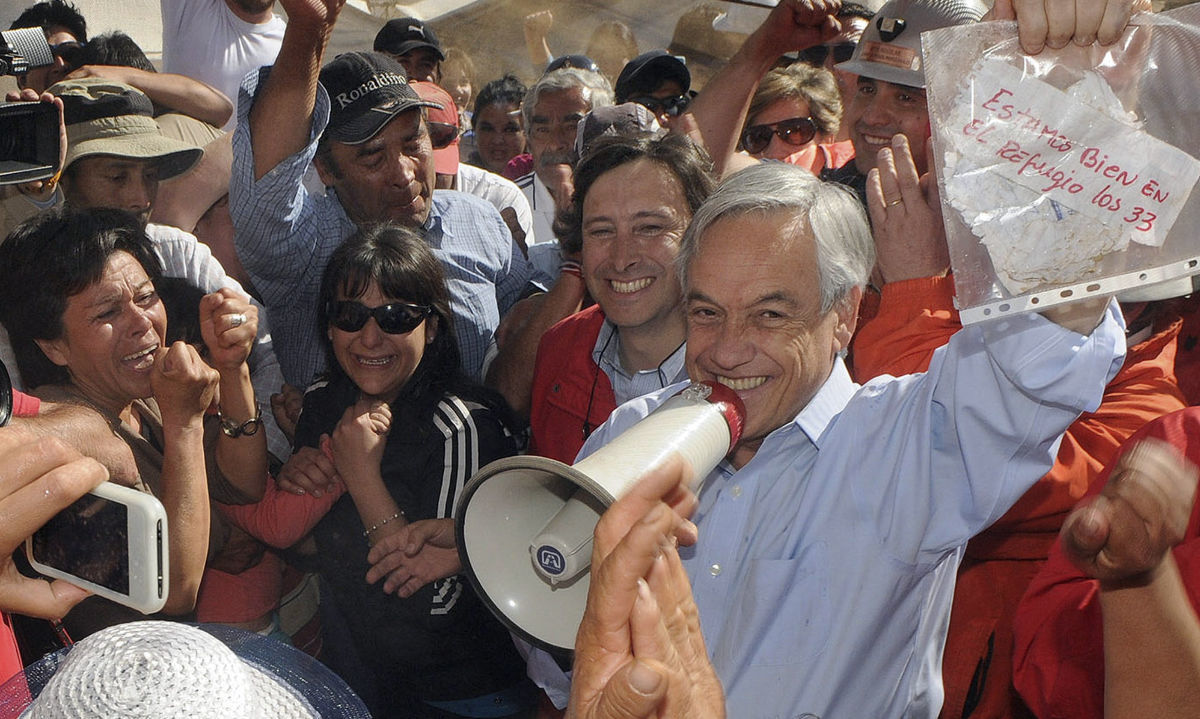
(397, 318)
(816, 54)
(441, 134)
(795, 131)
(672, 106)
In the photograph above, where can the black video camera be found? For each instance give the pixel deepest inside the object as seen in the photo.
(24, 49)
(29, 131)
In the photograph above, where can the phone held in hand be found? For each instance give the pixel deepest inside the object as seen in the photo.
(112, 542)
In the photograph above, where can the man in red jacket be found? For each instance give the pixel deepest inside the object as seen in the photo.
(633, 199)
(1109, 626)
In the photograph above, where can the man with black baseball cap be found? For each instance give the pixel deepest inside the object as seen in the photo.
(414, 45)
(362, 125)
(658, 80)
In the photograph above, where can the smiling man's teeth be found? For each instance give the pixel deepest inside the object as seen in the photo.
(877, 139)
(627, 287)
(139, 355)
(741, 383)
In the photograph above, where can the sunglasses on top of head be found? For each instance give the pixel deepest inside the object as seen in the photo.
(794, 131)
(816, 54)
(441, 134)
(397, 318)
(671, 106)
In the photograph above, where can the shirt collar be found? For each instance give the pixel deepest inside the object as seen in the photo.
(433, 222)
(606, 353)
(540, 191)
(830, 400)
(434, 229)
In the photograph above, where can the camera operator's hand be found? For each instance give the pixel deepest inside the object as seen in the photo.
(39, 476)
(42, 189)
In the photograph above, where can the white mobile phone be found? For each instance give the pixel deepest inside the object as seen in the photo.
(112, 541)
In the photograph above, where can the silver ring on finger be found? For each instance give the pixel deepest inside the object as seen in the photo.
(237, 320)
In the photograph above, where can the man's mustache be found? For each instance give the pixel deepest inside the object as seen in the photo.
(556, 158)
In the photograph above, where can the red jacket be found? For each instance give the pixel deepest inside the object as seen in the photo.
(1059, 651)
(899, 333)
(571, 395)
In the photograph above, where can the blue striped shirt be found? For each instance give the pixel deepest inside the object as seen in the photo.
(285, 237)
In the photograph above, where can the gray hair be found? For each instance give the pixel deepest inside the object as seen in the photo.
(596, 90)
(845, 250)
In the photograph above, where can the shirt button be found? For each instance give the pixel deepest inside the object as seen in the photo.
(714, 569)
(736, 491)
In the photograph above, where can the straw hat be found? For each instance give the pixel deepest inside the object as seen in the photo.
(168, 670)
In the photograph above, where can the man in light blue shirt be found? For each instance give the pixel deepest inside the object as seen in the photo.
(830, 537)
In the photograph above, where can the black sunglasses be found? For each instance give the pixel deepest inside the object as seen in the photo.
(794, 131)
(816, 54)
(441, 134)
(397, 318)
(672, 106)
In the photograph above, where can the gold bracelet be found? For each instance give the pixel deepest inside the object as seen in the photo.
(379, 525)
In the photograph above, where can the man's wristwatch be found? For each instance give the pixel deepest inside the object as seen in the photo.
(232, 429)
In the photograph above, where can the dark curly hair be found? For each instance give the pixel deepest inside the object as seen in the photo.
(53, 13)
(47, 259)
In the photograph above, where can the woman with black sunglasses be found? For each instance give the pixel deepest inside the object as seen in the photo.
(402, 427)
(794, 117)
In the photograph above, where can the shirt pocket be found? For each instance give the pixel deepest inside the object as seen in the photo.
(787, 613)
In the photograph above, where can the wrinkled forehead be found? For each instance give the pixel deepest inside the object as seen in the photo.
(553, 104)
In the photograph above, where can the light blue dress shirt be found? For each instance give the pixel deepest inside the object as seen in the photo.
(285, 237)
(825, 567)
(607, 355)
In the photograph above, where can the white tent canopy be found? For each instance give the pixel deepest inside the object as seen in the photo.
(142, 20)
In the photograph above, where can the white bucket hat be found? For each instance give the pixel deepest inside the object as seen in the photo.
(168, 670)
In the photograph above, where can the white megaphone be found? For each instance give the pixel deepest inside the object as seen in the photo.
(524, 524)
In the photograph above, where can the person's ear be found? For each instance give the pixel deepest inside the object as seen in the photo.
(431, 329)
(847, 319)
(55, 350)
(326, 168)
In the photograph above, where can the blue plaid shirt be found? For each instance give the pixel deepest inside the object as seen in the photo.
(285, 237)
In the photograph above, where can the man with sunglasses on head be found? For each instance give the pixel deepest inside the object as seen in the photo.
(365, 129)
(553, 107)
